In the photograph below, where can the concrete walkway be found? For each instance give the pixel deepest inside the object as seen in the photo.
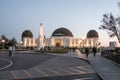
(105, 68)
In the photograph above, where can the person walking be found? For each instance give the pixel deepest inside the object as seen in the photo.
(10, 51)
(42, 50)
(13, 50)
(87, 52)
(94, 50)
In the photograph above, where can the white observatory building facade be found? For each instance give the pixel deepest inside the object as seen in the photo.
(61, 37)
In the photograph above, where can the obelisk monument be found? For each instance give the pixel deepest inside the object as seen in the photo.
(40, 43)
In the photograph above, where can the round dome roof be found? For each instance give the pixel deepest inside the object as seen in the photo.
(62, 32)
(27, 33)
(92, 33)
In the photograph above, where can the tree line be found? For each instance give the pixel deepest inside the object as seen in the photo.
(7, 42)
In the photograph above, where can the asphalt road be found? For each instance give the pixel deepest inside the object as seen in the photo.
(47, 67)
(91, 76)
(24, 61)
(3, 62)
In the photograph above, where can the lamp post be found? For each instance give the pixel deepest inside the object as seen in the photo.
(3, 41)
(21, 43)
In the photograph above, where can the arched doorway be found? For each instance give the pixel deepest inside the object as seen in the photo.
(58, 42)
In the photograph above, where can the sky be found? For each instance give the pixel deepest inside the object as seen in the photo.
(79, 16)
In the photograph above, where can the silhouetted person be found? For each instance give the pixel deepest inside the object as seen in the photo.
(10, 51)
(13, 50)
(83, 50)
(94, 50)
(87, 52)
(70, 49)
(42, 50)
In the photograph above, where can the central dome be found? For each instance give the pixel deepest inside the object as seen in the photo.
(62, 32)
(27, 33)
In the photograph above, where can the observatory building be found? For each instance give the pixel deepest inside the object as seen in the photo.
(61, 37)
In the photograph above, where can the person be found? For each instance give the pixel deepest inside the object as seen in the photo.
(10, 51)
(13, 50)
(70, 49)
(94, 50)
(83, 50)
(87, 52)
(42, 50)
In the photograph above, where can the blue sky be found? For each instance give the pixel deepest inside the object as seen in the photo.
(79, 16)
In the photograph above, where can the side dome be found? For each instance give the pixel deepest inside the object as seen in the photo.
(27, 33)
(92, 33)
(62, 32)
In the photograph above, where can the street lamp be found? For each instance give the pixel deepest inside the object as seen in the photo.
(21, 43)
(3, 41)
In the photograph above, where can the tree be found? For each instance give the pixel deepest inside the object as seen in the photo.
(8, 42)
(111, 24)
(3, 37)
(12, 41)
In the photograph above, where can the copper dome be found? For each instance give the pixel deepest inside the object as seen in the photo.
(62, 32)
(92, 33)
(27, 33)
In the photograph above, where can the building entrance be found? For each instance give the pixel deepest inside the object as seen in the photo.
(58, 42)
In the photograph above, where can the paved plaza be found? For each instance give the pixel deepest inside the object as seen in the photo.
(46, 67)
(70, 66)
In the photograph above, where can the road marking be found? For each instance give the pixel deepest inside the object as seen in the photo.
(41, 72)
(55, 71)
(66, 71)
(12, 72)
(76, 70)
(27, 73)
(83, 66)
(84, 78)
(88, 70)
(7, 65)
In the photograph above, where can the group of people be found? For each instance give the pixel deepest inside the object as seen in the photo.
(11, 50)
(94, 50)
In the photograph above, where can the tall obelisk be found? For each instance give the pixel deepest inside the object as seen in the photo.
(40, 38)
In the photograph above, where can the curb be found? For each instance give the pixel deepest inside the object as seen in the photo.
(10, 63)
(84, 60)
(99, 75)
(118, 65)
